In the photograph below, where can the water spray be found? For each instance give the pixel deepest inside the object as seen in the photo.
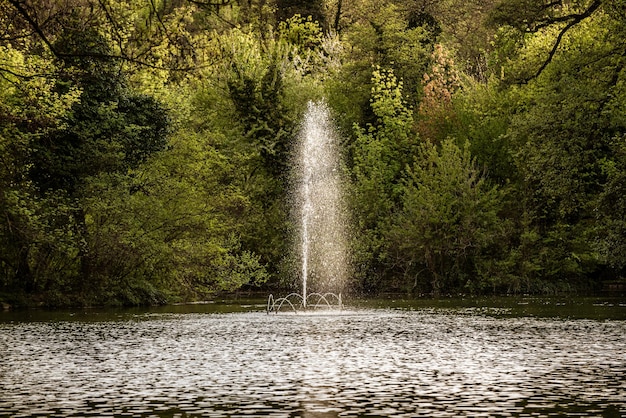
(321, 215)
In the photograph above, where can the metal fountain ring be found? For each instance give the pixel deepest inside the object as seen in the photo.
(298, 302)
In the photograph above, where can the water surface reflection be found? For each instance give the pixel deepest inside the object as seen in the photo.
(368, 362)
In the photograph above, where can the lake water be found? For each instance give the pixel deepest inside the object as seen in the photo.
(232, 360)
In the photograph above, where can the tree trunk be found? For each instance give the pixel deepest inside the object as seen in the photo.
(338, 16)
(24, 278)
(85, 257)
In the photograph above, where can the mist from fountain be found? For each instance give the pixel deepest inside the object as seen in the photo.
(321, 213)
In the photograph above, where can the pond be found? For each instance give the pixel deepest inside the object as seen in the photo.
(390, 358)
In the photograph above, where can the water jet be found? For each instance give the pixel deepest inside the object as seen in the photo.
(320, 215)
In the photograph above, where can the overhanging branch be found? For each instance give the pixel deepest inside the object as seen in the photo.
(573, 20)
(33, 24)
(31, 20)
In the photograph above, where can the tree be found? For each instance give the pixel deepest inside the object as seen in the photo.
(267, 85)
(173, 228)
(447, 222)
(156, 34)
(109, 129)
(379, 155)
(529, 16)
(377, 35)
(79, 120)
(440, 83)
(33, 228)
(563, 136)
(610, 205)
(460, 25)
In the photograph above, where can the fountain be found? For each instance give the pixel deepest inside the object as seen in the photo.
(321, 216)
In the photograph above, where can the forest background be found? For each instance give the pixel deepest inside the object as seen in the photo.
(145, 144)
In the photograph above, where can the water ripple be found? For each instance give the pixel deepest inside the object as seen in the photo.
(348, 364)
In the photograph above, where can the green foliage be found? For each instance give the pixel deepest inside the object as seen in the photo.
(379, 155)
(108, 129)
(561, 142)
(256, 86)
(611, 202)
(481, 116)
(34, 232)
(145, 148)
(266, 89)
(303, 33)
(448, 220)
(382, 37)
(172, 227)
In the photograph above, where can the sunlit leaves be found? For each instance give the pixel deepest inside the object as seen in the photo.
(380, 153)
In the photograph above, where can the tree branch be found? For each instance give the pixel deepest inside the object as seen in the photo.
(107, 13)
(574, 20)
(38, 31)
(33, 24)
(4, 71)
(566, 18)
